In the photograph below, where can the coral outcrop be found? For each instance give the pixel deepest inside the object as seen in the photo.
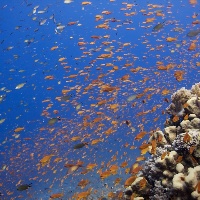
(173, 170)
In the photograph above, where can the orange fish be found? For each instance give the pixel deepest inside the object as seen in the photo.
(83, 183)
(186, 117)
(113, 169)
(71, 23)
(113, 106)
(129, 181)
(61, 59)
(75, 138)
(57, 160)
(124, 164)
(50, 77)
(140, 158)
(142, 183)
(125, 77)
(96, 141)
(98, 119)
(83, 195)
(165, 92)
(117, 181)
(179, 159)
(140, 135)
(186, 138)
(54, 48)
(86, 3)
(72, 76)
(106, 12)
(19, 129)
(148, 20)
(175, 118)
(171, 39)
(135, 168)
(91, 166)
(56, 196)
(45, 160)
(192, 46)
(105, 56)
(105, 174)
(164, 154)
(154, 145)
(179, 75)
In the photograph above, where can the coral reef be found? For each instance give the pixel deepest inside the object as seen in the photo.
(173, 170)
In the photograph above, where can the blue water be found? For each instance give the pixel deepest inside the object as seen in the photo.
(26, 57)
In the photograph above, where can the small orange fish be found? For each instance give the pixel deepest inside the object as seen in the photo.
(117, 181)
(136, 170)
(50, 77)
(192, 46)
(96, 141)
(186, 138)
(105, 56)
(83, 195)
(124, 164)
(140, 158)
(75, 138)
(105, 174)
(175, 118)
(179, 159)
(98, 119)
(19, 129)
(72, 76)
(186, 117)
(111, 195)
(179, 75)
(164, 154)
(72, 169)
(56, 160)
(113, 169)
(125, 77)
(140, 135)
(129, 181)
(83, 183)
(154, 145)
(142, 183)
(45, 160)
(86, 3)
(81, 43)
(57, 195)
(61, 59)
(148, 20)
(106, 12)
(91, 166)
(54, 48)
(114, 106)
(171, 39)
(165, 92)
(71, 23)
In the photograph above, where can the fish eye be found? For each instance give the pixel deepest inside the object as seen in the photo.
(59, 118)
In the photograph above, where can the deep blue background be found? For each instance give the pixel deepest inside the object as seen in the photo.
(24, 107)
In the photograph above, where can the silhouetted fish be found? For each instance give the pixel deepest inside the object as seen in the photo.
(24, 187)
(158, 26)
(80, 145)
(193, 33)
